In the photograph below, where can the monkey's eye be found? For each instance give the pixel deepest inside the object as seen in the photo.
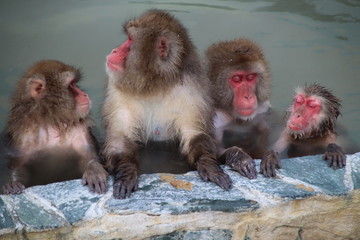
(312, 104)
(299, 99)
(237, 78)
(251, 76)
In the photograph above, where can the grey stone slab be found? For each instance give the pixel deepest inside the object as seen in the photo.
(180, 194)
(6, 220)
(355, 168)
(275, 187)
(34, 216)
(70, 197)
(314, 170)
(209, 234)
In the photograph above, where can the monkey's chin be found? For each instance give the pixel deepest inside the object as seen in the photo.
(246, 113)
(113, 67)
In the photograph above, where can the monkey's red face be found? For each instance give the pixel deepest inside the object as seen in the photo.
(115, 60)
(82, 100)
(306, 113)
(245, 100)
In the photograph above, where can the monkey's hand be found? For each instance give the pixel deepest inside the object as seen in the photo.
(13, 188)
(239, 161)
(335, 156)
(126, 180)
(95, 176)
(269, 163)
(209, 170)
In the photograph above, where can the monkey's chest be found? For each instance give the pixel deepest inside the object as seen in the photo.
(50, 138)
(158, 132)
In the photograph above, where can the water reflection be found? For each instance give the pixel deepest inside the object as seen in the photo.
(201, 5)
(314, 9)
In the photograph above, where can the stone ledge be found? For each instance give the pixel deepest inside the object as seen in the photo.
(307, 201)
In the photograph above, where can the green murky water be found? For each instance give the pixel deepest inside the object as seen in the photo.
(305, 42)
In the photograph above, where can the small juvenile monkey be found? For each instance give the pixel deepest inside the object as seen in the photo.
(48, 135)
(310, 129)
(240, 81)
(157, 89)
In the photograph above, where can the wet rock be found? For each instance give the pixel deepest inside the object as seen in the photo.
(307, 201)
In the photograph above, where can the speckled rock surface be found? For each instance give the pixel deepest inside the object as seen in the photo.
(307, 201)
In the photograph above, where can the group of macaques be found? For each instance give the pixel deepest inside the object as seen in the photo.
(158, 88)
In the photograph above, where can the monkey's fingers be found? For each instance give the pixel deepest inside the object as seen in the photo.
(270, 163)
(123, 188)
(250, 168)
(267, 169)
(209, 170)
(13, 188)
(102, 187)
(222, 180)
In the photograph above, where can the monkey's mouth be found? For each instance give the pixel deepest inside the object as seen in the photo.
(295, 127)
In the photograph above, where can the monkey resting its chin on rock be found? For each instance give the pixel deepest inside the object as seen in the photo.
(48, 134)
(310, 129)
(156, 85)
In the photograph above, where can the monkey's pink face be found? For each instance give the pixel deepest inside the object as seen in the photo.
(305, 113)
(82, 100)
(116, 59)
(243, 85)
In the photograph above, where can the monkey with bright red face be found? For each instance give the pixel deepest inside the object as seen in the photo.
(240, 84)
(48, 135)
(310, 129)
(157, 90)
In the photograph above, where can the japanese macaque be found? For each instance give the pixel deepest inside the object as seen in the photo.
(310, 129)
(240, 78)
(48, 135)
(157, 90)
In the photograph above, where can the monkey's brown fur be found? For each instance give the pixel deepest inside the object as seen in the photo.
(162, 86)
(44, 126)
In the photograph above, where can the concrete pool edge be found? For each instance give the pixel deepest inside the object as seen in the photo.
(307, 200)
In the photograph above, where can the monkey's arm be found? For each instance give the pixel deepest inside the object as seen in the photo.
(15, 163)
(19, 178)
(95, 176)
(271, 160)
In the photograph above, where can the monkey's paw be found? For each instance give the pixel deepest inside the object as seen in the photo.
(209, 170)
(241, 162)
(335, 156)
(13, 188)
(95, 177)
(269, 163)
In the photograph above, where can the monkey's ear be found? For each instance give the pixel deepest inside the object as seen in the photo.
(162, 47)
(37, 88)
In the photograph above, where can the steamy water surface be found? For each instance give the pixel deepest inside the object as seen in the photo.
(305, 41)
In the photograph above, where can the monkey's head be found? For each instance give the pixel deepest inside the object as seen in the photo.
(153, 55)
(48, 94)
(240, 77)
(313, 112)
